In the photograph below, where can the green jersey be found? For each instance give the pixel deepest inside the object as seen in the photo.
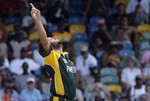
(63, 73)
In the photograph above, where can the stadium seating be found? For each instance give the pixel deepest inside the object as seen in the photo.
(12, 20)
(115, 88)
(108, 71)
(77, 28)
(91, 29)
(108, 80)
(95, 19)
(76, 20)
(9, 28)
(127, 45)
(77, 46)
(126, 52)
(78, 41)
(143, 45)
(143, 28)
(52, 28)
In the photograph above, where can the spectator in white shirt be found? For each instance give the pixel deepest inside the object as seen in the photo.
(133, 3)
(4, 63)
(18, 43)
(129, 73)
(16, 64)
(136, 91)
(21, 80)
(79, 95)
(85, 61)
(38, 58)
(28, 21)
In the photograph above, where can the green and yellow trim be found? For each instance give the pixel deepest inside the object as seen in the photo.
(52, 60)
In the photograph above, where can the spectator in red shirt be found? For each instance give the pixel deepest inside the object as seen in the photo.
(11, 8)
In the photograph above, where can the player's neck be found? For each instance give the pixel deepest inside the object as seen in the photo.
(59, 50)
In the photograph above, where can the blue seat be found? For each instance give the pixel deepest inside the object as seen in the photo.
(95, 19)
(76, 20)
(127, 45)
(37, 73)
(52, 28)
(45, 97)
(91, 29)
(12, 20)
(108, 71)
(75, 12)
(76, 2)
(34, 45)
(146, 35)
(126, 52)
(143, 45)
(100, 53)
(110, 80)
(79, 37)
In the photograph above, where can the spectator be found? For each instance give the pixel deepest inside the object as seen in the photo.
(61, 33)
(145, 57)
(130, 72)
(101, 37)
(139, 16)
(4, 63)
(31, 93)
(17, 63)
(58, 13)
(94, 77)
(79, 95)
(110, 58)
(145, 64)
(133, 3)
(146, 72)
(94, 8)
(37, 57)
(43, 84)
(42, 5)
(5, 75)
(11, 85)
(81, 82)
(144, 97)
(21, 80)
(147, 87)
(123, 31)
(27, 21)
(115, 18)
(100, 92)
(3, 36)
(18, 43)
(136, 91)
(85, 61)
(11, 8)
(1, 82)
(8, 95)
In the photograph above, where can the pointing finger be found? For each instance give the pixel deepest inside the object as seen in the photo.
(32, 6)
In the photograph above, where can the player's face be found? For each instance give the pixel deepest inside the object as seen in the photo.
(53, 40)
(55, 43)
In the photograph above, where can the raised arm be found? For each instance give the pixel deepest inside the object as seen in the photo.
(36, 15)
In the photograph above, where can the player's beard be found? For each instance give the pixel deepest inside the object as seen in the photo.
(56, 45)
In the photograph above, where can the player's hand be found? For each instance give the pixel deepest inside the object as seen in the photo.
(35, 13)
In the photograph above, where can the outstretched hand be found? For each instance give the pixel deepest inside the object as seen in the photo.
(35, 13)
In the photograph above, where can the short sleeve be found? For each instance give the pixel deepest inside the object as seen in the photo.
(123, 76)
(42, 52)
(39, 95)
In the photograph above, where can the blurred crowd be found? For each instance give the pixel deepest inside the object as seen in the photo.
(108, 40)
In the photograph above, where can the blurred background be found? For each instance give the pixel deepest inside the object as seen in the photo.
(108, 40)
